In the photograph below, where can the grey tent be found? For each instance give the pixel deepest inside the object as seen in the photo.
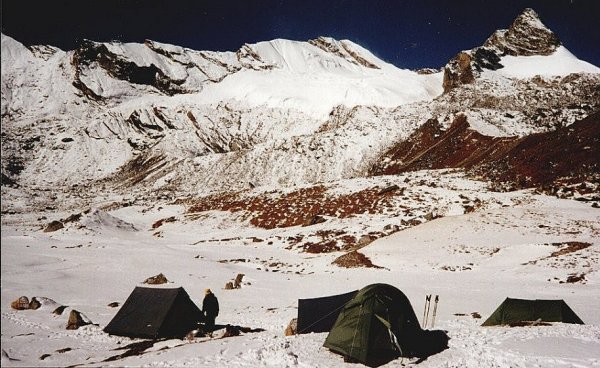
(319, 314)
(520, 311)
(155, 313)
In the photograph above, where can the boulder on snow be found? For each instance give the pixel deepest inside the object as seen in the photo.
(156, 280)
(76, 320)
(316, 219)
(229, 286)
(34, 303)
(237, 283)
(59, 310)
(20, 304)
(354, 259)
(292, 327)
(389, 189)
(53, 226)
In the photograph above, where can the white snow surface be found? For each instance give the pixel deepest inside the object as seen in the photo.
(309, 79)
(560, 63)
(472, 261)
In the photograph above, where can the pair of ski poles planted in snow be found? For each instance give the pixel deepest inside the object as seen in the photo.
(427, 307)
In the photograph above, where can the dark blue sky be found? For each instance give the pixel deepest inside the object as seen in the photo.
(407, 33)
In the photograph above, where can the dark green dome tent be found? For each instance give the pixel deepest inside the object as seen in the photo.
(520, 311)
(379, 325)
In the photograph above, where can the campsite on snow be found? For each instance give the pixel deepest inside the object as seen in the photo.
(300, 204)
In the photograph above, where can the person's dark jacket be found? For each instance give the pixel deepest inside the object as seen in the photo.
(210, 305)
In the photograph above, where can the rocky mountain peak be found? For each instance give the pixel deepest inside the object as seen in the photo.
(526, 36)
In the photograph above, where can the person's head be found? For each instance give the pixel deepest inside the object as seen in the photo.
(207, 291)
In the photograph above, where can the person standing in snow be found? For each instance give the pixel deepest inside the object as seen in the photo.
(210, 308)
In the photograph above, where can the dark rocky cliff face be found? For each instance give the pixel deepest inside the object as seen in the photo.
(116, 66)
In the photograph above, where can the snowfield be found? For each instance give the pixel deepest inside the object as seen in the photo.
(472, 261)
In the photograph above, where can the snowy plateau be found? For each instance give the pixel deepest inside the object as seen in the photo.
(312, 168)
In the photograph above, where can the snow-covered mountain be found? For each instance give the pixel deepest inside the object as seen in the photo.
(162, 119)
(308, 169)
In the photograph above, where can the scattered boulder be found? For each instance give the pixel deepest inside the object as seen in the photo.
(34, 303)
(365, 240)
(76, 320)
(316, 219)
(20, 304)
(237, 283)
(354, 259)
(59, 311)
(73, 218)
(292, 327)
(391, 188)
(156, 280)
(113, 304)
(391, 228)
(232, 331)
(54, 226)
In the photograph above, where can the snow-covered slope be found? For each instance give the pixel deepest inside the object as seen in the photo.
(560, 63)
(515, 245)
(314, 80)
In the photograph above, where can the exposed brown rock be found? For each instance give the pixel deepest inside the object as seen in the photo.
(34, 303)
(59, 310)
(237, 283)
(313, 220)
(537, 159)
(20, 304)
(76, 320)
(354, 259)
(54, 226)
(156, 280)
(458, 71)
(526, 36)
(292, 327)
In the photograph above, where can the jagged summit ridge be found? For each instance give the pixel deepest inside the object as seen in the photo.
(526, 36)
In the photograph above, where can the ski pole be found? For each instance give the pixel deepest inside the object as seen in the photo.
(435, 304)
(426, 311)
